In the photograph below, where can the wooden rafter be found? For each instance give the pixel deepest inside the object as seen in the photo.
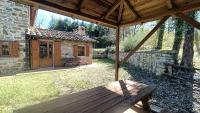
(116, 5)
(33, 14)
(79, 5)
(43, 4)
(188, 19)
(120, 10)
(97, 9)
(188, 8)
(127, 3)
(144, 40)
(170, 4)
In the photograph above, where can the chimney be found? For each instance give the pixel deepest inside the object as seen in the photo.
(81, 30)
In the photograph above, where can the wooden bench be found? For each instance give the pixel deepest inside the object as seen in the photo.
(171, 66)
(116, 97)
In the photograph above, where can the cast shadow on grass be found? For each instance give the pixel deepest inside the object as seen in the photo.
(173, 94)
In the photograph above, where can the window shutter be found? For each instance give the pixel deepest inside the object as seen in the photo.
(57, 53)
(87, 50)
(14, 48)
(0, 48)
(75, 50)
(10, 43)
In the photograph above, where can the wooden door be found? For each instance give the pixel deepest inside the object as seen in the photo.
(50, 54)
(57, 53)
(46, 58)
(34, 48)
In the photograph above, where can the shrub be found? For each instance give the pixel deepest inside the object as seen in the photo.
(131, 41)
(110, 49)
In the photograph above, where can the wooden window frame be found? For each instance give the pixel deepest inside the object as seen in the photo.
(8, 45)
(13, 48)
(41, 43)
(84, 52)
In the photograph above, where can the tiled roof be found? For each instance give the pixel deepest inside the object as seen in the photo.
(55, 34)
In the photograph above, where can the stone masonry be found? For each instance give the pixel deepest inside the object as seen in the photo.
(14, 20)
(150, 61)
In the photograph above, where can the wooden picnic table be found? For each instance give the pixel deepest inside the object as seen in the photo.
(116, 97)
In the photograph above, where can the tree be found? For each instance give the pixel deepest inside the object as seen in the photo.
(179, 27)
(52, 22)
(197, 41)
(40, 22)
(188, 52)
(160, 36)
(60, 25)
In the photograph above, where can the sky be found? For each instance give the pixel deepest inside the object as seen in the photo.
(44, 17)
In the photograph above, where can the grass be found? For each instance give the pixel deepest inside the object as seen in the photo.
(21, 90)
(30, 88)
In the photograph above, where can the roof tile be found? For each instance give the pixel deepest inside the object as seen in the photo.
(72, 36)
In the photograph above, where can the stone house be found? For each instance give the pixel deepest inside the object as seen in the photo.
(58, 48)
(23, 47)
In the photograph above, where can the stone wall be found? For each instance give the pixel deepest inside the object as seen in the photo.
(67, 51)
(14, 20)
(150, 61)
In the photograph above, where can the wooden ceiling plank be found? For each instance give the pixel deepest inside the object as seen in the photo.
(115, 6)
(189, 20)
(184, 9)
(46, 5)
(127, 3)
(170, 4)
(144, 40)
(120, 10)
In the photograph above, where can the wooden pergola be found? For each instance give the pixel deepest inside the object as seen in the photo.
(118, 13)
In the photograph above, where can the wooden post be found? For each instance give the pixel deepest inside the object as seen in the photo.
(33, 14)
(117, 54)
(144, 40)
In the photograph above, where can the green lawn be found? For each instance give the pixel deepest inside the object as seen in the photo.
(33, 87)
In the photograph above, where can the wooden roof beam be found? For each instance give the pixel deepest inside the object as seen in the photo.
(170, 4)
(189, 20)
(144, 40)
(49, 6)
(127, 3)
(116, 4)
(120, 10)
(79, 5)
(184, 9)
(33, 14)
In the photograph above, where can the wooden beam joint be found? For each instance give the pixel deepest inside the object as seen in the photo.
(116, 5)
(127, 3)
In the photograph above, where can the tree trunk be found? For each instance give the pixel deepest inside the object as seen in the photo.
(188, 52)
(178, 37)
(160, 36)
(197, 41)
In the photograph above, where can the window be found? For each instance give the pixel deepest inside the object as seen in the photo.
(81, 51)
(9, 48)
(50, 50)
(5, 49)
(43, 50)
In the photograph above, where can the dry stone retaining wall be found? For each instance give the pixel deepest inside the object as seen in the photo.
(150, 61)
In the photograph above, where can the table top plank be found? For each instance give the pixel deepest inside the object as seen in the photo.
(99, 99)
